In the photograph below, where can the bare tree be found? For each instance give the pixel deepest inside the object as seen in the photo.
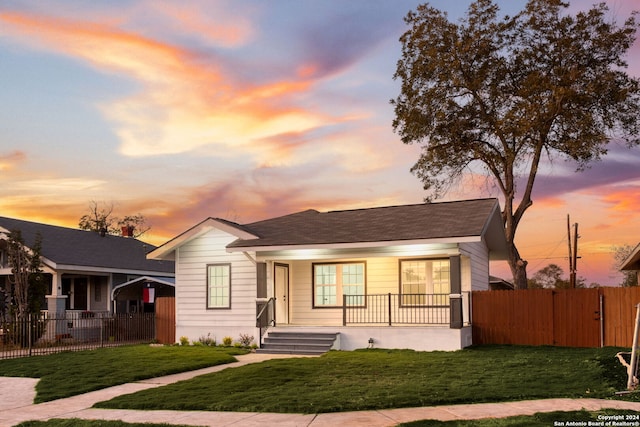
(100, 219)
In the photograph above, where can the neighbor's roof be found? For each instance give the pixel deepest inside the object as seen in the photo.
(423, 221)
(69, 247)
(633, 260)
(460, 220)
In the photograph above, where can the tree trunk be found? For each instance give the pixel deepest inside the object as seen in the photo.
(518, 268)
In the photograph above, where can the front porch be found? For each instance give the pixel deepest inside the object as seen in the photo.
(418, 321)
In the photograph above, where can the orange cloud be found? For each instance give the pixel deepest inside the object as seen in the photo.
(186, 100)
(9, 161)
(551, 202)
(624, 201)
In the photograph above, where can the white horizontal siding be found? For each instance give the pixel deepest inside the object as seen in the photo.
(478, 265)
(193, 319)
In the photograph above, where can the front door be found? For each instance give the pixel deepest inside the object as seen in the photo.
(281, 292)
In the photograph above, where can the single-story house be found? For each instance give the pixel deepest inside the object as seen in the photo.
(90, 271)
(632, 263)
(389, 277)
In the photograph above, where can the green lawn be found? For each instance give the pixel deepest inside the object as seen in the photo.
(71, 373)
(378, 379)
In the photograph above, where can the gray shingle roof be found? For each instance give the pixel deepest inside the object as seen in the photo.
(68, 246)
(393, 223)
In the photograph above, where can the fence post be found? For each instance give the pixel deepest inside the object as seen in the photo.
(389, 308)
(29, 329)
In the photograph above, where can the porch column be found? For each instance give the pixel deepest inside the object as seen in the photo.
(455, 298)
(56, 307)
(56, 302)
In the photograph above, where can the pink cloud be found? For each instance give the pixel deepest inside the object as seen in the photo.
(186, 100)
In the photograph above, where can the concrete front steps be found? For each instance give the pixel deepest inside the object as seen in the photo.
(304, 343)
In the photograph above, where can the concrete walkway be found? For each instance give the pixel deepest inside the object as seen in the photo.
(16, 397)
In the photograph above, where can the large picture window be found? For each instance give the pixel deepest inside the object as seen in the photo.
(425, 282)
(219, 286)
(332, 281)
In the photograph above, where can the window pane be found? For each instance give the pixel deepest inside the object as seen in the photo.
(325, 274)
(353, 274)
(353, 283)
(326, 295)
(413, 276)
(441, 282)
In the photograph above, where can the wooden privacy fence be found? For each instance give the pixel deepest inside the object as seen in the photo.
(570, 317)
(166, 320)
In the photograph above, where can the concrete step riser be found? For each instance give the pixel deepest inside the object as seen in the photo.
(302, 335)
(300, 352)
(297, 343)
(286, 341)
(296, 347)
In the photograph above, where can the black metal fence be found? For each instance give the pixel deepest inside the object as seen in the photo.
(46, 333)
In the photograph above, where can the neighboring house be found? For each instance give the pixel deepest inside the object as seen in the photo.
(499, 284)
(632, 263)
(392, 277)
(88, 271)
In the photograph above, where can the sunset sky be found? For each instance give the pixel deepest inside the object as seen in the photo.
(247, 110)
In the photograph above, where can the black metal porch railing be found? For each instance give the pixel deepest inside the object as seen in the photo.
(393, 309)
(266, 316)
(46, 333)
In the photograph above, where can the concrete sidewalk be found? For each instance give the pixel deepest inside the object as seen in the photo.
(16, 397)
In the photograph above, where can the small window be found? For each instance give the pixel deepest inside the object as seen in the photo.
(219, 286)
(332, 282)
(425, 282)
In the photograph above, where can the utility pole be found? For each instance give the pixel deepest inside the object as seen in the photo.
(573, 252)
(570, 252)
(575, 256)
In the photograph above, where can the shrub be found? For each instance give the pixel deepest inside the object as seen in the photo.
(184, 340)
(207, 340)
(246, 340)
(227, 341)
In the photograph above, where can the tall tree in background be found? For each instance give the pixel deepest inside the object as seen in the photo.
(100, 219)
(26, 284)
(498, 94)
(620, 255)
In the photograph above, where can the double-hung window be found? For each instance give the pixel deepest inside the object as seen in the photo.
(219, 286)
(332, 282)
(425, 282)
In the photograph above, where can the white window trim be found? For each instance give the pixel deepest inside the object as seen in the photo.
(208, 301)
